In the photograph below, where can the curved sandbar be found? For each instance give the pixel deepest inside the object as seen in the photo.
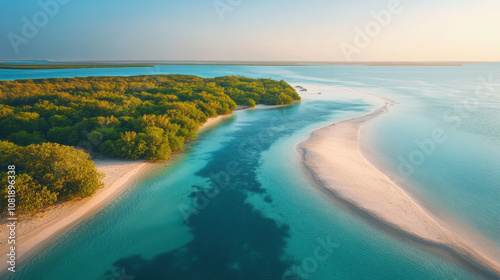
(333, 160)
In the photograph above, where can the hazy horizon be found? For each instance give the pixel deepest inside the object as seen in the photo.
(239, 30)
(243, 61)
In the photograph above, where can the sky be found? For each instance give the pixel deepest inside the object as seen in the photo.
(251, 30)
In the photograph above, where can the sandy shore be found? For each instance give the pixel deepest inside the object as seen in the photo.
(214, 121)
(334, 162)
(211, 122)
(35, 232)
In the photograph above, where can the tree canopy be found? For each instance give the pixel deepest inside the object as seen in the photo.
(43, 120)
(47, 173)
(131, 117)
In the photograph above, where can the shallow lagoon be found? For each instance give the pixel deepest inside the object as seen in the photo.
(267, 221)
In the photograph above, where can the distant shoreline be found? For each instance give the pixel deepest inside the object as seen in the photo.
(332, 159)
(67, 66)
(39, 65)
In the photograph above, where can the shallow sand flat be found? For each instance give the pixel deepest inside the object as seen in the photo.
(332, 158)
(33, 233)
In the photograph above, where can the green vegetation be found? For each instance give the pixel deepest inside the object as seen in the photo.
(131, 117)
(68, 66)
(47, 173)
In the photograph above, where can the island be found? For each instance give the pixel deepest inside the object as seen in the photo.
(69, 66)
(52, 128)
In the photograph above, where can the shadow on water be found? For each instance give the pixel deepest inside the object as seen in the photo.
(231, 239)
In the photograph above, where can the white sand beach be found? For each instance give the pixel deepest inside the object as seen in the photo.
(334, 162)
(35, 232)
(211, 122)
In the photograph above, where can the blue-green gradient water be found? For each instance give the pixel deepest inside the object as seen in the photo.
(237, 204)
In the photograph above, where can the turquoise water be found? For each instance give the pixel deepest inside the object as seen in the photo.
(237, 205)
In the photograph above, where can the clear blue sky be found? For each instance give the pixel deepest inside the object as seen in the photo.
(290, 30)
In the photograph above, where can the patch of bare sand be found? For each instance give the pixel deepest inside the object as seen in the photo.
(333, 160)
(32, 233)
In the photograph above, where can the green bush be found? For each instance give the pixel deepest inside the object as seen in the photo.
(48, 173)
